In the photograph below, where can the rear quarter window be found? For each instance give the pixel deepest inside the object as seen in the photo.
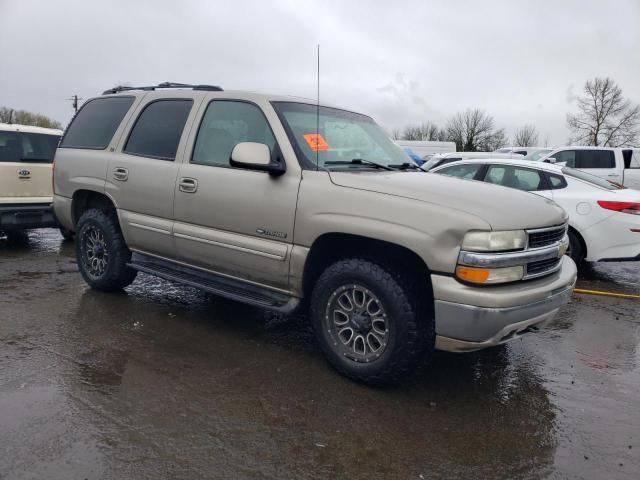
(95, 124)
(556, 182)
(595, 159)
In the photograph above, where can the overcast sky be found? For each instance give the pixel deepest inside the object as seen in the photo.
(402, 62)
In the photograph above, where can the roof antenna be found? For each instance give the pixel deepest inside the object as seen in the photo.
(318, 110)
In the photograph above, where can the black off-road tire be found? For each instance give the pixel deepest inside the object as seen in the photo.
(117, 275)
(410, 326)
(576, 252)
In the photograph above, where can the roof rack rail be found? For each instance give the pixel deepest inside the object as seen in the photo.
(209, 88)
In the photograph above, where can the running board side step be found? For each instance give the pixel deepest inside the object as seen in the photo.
(217, 284)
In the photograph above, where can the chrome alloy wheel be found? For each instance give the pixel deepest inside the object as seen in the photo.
(357, 323)
(96, 256)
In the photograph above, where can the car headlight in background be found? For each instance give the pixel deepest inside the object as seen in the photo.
(500, 241)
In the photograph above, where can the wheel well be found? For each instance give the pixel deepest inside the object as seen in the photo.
(83, 200)
(580, 239)
(331, 247)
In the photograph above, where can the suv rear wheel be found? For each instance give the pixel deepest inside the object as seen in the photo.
(101, 251)
(369, 325)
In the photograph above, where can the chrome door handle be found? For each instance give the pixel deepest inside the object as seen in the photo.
(188, 185)
(121, 174)
(612, 175)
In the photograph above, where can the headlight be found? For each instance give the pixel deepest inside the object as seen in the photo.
(489, 276)
(494, 241)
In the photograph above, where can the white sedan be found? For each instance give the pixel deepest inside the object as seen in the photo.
(604, 218)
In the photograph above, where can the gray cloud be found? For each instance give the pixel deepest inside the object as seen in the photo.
(401, 62)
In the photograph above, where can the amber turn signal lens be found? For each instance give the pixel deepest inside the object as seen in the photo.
(473, 275)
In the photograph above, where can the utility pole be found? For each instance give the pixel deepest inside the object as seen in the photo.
(74, 102)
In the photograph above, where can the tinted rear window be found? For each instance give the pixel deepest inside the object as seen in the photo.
(27, 147)
(595, 159)
(96, 122)
(158, 129)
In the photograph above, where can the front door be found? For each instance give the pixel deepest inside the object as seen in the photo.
(232, 221)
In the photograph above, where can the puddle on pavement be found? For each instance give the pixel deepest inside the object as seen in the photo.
(166, 380)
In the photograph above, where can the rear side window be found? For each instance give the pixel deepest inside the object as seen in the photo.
(157, 131)
(515, 177)
(27, 147)
(96, 122)
(595, 159)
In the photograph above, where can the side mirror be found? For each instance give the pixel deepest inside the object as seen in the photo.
(550, 160)
(255, 156)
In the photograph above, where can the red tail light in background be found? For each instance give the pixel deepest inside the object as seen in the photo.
(624, 207)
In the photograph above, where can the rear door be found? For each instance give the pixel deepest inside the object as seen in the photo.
(521, 178)
(25, 166)
(141, 175)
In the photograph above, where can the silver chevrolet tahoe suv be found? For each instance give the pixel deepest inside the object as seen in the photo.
(282, 203)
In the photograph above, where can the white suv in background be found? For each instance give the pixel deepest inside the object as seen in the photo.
(620, 165)
(26, 155)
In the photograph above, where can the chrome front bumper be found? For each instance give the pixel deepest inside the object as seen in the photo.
(461, 327)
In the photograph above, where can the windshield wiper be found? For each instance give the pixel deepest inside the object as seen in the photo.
(359, 161)
(406, 166)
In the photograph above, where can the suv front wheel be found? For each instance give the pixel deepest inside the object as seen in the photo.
(101, 251)
(369, 323)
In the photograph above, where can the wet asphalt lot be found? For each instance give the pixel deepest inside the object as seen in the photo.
(168, 382)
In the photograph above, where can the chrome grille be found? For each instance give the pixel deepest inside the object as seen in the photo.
(546, 236)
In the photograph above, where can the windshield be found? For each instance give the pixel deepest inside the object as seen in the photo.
(537, 155)
(337, 137)
(27, 147)
(592, 179)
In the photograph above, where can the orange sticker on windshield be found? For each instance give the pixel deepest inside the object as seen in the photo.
(316, 142)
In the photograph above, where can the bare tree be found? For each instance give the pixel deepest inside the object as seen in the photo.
(6, 115)
(425, 132)
(604, 117)
(396, 134)
(473, 130)
(526, 136)
(22, 117)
